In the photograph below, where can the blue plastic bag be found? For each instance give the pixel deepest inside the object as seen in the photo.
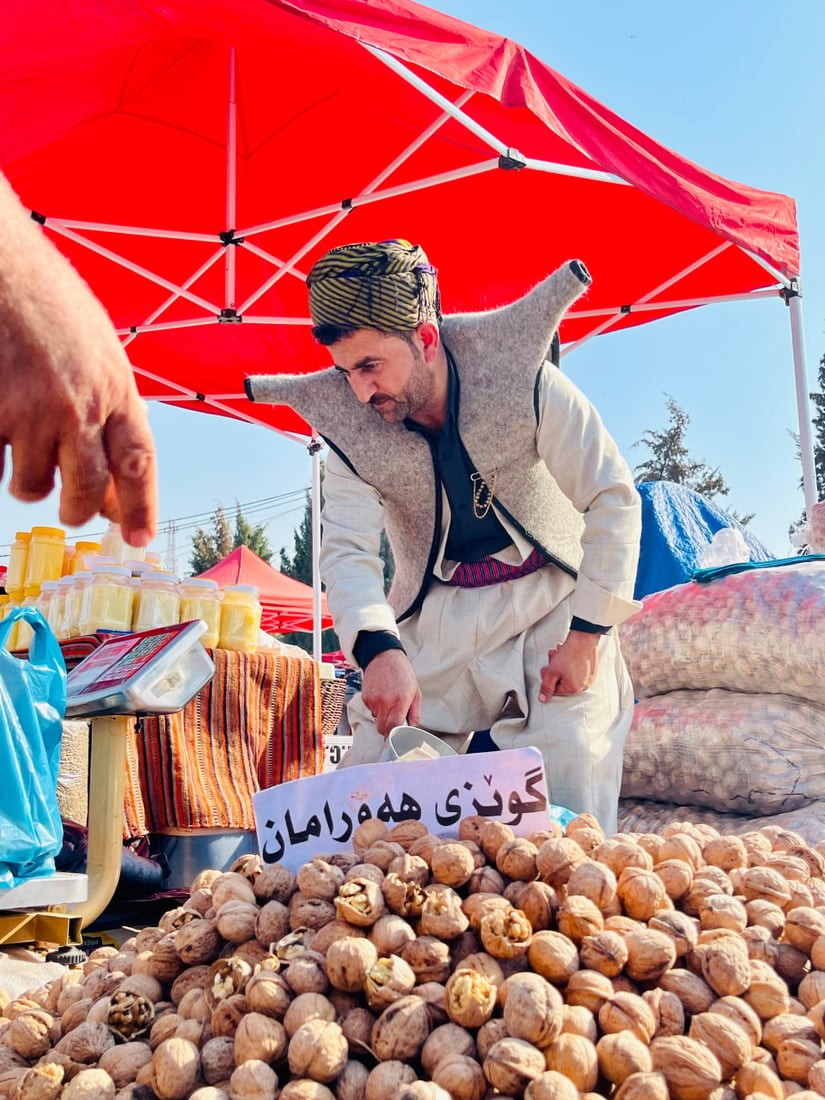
(32, 706)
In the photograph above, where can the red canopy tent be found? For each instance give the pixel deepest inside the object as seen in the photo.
(287, 603)
(194, 157)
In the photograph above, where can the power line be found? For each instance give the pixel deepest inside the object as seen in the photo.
(288, 501)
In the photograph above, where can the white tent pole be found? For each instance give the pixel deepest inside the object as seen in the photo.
(57, 227)
(806, 445)
(131, 230)
(315, 504)
(231, 182)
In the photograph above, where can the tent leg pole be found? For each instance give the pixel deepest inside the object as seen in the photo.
(315, 451)
(806, 446)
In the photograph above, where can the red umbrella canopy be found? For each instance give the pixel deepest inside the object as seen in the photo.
(287, 603)
(194, 157)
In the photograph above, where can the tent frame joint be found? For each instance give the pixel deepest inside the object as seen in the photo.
(37, 217)
(227, 237)
(229, 316)
(511, 160)
(314, 446)
(792, 291)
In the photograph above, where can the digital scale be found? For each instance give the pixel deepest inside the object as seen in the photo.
(128, 675)
(154, 672)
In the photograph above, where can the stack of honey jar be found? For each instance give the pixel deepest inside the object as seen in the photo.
(80, 590)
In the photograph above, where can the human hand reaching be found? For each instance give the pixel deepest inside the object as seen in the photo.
(68, 398)
(390, 690)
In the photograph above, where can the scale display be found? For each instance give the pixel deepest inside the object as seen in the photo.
(154, 672)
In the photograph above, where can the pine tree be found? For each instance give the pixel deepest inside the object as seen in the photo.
(208, 549)
(253, 537)
(670, 460)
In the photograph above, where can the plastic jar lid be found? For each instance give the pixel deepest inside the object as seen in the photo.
(200, 582)
(23, 536)
(81, 546)
(48, 586)
(105, 569)
(160, 575)
(242, 588)
(48, 532)
(31, 588)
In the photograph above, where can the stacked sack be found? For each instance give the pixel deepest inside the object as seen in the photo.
(729, 678)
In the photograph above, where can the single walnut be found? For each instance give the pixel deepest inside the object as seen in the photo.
(537, 900)
(621, 1054)
(129, 1014)
(386, 980)
(401, 1029)
(274, 883)
(306, 1007)
(532, 1008)
(556, 860)
(90, 1084)
(176, 1066)
(227, 1014)
(730, 1044)
(197, 942)
(588, 988)
(390, 934)
(690, 1069)
(41, 1082)
(224, 978)
(235, 920)
(576, 1058)
(506, 934)
(442, 914)
(429, 957)
(218, 1059)
(357, 1025)
(444, 1040)
(253, 1081)
(318, 1050)
(86, 1042)
(460, 1077)
(511, 1064)
(335, 930)
(382, 853)
(259, 1037)
(359, 901)
(29, 1033)
(551, 1085)
(668, 1011)
(124, 1061)
(303, 1088)
(410, 868)
(650, 953)
(605, 951)
(553, 956)
(387, 1079)
(347, 963)
(578, 917)
(470, 997)
(306, 973)
(593, 880)
(649, 1086)
(230, 886)
(516, 858)
(307, 912)
(352, 1081)
(452, 863)
(628, 1012)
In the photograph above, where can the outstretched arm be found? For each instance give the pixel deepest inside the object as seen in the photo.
(68, 398)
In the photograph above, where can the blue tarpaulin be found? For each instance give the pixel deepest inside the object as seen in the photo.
(678, 524)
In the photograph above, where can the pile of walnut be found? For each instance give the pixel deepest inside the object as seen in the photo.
(640, 967)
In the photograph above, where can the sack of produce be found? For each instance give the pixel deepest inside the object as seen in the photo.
(758, 630)
(728, 751)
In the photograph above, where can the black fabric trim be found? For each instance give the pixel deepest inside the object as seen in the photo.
(370, 643)
(586, 627)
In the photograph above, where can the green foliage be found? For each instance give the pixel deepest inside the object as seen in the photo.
(208, 548)
(818, 421)
(670, 460)
(252, 536)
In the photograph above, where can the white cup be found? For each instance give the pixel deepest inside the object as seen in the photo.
(403, 739)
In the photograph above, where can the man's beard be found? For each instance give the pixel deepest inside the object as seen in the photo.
(412, 399)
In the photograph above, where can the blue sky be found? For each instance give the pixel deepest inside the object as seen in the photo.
(736, 86)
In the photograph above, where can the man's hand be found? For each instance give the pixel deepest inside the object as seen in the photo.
(571, 668)
(68, 398)
(391, 692)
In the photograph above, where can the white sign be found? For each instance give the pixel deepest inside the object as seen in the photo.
(308, 817)
(335, 745)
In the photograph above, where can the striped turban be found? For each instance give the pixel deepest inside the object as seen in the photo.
(387, 285)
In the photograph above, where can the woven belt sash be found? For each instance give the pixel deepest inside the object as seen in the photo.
(485, 571)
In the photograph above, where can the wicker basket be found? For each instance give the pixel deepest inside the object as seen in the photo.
(333, 693)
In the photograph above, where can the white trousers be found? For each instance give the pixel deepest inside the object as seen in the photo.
(478, 652)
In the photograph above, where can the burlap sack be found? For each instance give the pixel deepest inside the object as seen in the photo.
(728, 751)
(641, 816)
(761, 630)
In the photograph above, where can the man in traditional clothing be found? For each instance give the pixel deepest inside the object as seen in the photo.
(513, 520)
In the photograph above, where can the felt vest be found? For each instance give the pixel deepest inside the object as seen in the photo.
(498, 356)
